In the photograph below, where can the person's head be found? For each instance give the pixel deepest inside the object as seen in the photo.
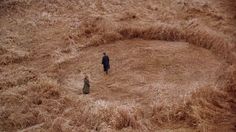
(104, 53)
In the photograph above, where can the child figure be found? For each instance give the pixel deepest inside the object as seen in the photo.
(86, 87)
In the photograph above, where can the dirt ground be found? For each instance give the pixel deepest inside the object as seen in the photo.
(173, 65)
(144, 71)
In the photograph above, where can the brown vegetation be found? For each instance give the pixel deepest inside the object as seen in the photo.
(46, 46)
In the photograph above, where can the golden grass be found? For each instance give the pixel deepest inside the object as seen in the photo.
(45, 101)
(2, 50)
(10, 58)
(206, 108)
(20, 112)
(99, 32)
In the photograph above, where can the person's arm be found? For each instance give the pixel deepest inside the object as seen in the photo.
(102, 60)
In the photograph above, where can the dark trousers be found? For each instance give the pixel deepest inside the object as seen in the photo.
(106, 69)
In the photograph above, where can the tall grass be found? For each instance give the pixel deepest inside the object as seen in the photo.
(208, 106)
(100, 32)
(45, 102)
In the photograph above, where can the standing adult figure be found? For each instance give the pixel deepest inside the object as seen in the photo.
(105, 62)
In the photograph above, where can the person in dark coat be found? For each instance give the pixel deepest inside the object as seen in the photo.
(86, 87)
(105, 62)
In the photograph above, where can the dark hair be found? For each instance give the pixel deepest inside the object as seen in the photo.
(104, 53)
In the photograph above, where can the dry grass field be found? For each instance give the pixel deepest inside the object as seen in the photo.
(173, 65)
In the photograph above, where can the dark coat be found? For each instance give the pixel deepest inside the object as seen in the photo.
(105, 62)
(86, 87)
